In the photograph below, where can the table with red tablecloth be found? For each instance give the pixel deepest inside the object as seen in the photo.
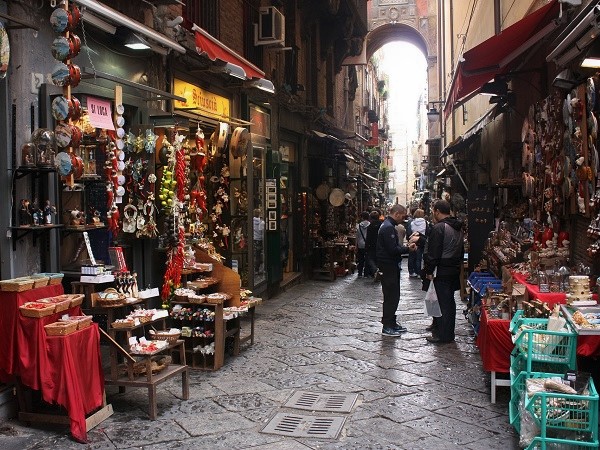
(66, 369)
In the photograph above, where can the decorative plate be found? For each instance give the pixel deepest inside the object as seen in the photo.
(61, 48)
(4, 51)
(120, 109)
(60, 108)
(63, 164)
(60, 75)
(241, 143)
(336, 197)
(62, 134)
(59, 20)
(322, 191)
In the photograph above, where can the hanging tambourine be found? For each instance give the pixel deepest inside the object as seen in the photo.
(322, 191)
(336, 197)
(221, 136)
(241, 142)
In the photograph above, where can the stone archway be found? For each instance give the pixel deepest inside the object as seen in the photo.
(413, 21)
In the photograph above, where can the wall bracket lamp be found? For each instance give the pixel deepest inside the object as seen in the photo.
(433, 114)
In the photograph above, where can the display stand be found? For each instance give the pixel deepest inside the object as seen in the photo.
(148, 380)
(228, 282)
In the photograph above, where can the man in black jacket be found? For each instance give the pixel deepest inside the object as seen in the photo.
(371, 244)
(444, 252)
(389, 255)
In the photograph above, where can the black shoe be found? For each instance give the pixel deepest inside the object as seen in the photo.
(389, 331)
(437, 340)
(430, 328)
(400, 328)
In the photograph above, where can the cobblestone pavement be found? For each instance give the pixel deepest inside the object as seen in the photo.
(319, 337)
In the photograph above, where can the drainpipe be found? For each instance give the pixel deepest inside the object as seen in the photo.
(497, 17)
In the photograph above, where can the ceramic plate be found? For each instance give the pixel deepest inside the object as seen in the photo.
(59, 20)
(60, 108)
(62, 134)
(60, 48)
(60, 75)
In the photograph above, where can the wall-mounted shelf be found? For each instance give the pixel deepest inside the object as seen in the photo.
(20, 232)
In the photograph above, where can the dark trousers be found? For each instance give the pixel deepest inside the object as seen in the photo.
(360, 260)
(444, 326)
(370, 266)
(414, 261)
(390, 286)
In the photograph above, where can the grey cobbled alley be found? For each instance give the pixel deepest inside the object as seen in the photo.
(319, 376)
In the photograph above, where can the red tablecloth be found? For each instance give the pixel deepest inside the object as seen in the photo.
(495, 344)
(533, 291)
(66, 369)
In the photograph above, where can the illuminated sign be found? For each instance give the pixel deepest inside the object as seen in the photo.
(200, 100)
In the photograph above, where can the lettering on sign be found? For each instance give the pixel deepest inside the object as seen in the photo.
(100, 113)
(199, 99)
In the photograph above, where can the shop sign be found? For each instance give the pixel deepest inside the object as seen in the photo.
(200, 100)
(100, 113)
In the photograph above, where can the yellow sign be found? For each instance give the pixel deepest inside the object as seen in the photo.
(199, 99)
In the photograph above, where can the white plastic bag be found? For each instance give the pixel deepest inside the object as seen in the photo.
(432, 306)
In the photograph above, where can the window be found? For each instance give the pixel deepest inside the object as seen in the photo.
(204, 13)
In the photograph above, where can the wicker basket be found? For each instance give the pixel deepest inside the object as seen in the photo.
(76, 299)
(181, 298)
(54, 278)
(84, 322)
(39, 281)
(61, 328)
(158, 363)
(62, 306)
(37, 312)
(197, 299)
(122, 324)
(217, 300)
(110, 298)
(164, 336)
(16, 285)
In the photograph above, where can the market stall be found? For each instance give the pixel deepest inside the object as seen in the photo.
(65, 368)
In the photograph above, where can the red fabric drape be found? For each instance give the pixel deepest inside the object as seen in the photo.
(66, 369)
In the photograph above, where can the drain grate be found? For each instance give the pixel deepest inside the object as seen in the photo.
(296, 425)
(313, 401)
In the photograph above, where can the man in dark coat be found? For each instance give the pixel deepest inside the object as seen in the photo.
(371, 244)
(389, 255)
(444, 251)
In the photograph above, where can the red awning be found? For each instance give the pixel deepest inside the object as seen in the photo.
(497, 55)
(214, 50)
(374, 141)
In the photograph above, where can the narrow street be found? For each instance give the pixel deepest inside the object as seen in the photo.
(324, 338)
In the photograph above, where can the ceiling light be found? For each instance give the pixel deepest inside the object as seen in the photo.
(135, 42)
(261, 83)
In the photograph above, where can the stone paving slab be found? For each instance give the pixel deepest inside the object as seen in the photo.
(321, 337)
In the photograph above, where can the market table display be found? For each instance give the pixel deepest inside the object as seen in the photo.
(66, 369)
(495, 346)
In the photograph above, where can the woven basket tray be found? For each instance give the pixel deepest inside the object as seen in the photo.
(61, 328)
(122, 324)
(16, 285)
(218, 300)
(197, 300)
(110, 298)
(158, 363)
(76, 299)
(42, 312)
(39, 281)
(62, 306)
(162, 336)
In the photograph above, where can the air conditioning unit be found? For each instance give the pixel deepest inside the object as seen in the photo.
(271, 27)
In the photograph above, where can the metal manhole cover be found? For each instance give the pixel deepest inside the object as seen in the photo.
(313, 401)
(296, 425)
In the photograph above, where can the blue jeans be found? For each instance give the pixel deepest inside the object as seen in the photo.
(444, 326)
(415, 260)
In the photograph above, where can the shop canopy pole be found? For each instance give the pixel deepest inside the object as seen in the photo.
(459, 176)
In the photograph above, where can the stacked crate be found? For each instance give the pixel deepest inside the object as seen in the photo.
(563, 420)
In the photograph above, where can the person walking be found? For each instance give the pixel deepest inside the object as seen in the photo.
(361, 238)
(420, 227)
(389, 254)
(444, 252)
(371, 245)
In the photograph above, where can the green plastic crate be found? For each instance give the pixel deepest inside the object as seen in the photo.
(555, 412)
(539, 443)
(538, 344)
